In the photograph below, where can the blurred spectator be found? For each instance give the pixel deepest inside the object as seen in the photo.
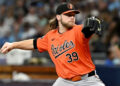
(2, 11)
(117, 51)
(114, 39)
(112, 30)
(4, 32)
(102, 5)
(41, 11)
(2, 2)
(43, 21)
(9, 19)
(9, 3)
(20, 7)
(110, 58)
(117, 57)
(31, 17)
(113, 56)
(114, 4)
(97, 45)
(39, 30)
(15, 33)
(28, 31)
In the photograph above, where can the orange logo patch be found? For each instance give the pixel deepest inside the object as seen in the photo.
(70, 6)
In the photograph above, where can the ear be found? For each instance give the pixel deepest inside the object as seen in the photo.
(58, 17)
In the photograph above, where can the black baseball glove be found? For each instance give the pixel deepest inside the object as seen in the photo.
(92, 25)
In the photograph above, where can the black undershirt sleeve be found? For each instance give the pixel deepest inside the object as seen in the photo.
(35, 43)
(86, 31)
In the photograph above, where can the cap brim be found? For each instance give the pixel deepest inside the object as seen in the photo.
(71, 11)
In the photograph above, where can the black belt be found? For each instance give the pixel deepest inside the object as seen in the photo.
(91, 73)
(77, 78)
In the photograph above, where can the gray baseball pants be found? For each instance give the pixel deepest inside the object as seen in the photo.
(86, 81)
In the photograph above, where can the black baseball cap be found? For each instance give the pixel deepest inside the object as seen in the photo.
(66, 8)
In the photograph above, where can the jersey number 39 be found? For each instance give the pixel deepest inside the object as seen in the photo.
(72, 57)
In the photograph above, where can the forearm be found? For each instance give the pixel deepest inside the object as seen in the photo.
(25, 45)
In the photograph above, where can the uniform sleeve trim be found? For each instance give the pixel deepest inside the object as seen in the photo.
(35, 43)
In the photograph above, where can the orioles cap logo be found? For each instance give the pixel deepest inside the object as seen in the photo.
(70, 6)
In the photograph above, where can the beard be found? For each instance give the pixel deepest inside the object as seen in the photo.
(68, 25)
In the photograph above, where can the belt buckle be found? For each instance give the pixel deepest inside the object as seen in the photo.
(76, 78)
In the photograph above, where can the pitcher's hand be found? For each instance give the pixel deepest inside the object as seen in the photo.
(6, 47)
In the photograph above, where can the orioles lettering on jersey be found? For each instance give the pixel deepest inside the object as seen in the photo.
(59, 50)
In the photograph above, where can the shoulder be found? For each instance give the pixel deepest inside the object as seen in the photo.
(78, 27)
(52, 32)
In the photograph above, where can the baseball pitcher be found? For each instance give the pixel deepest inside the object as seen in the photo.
(68, 47)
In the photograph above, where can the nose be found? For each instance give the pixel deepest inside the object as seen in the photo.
(72, 17)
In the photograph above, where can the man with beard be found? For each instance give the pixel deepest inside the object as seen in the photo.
(68, 47)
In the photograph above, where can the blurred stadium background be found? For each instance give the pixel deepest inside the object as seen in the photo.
(25, 19)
